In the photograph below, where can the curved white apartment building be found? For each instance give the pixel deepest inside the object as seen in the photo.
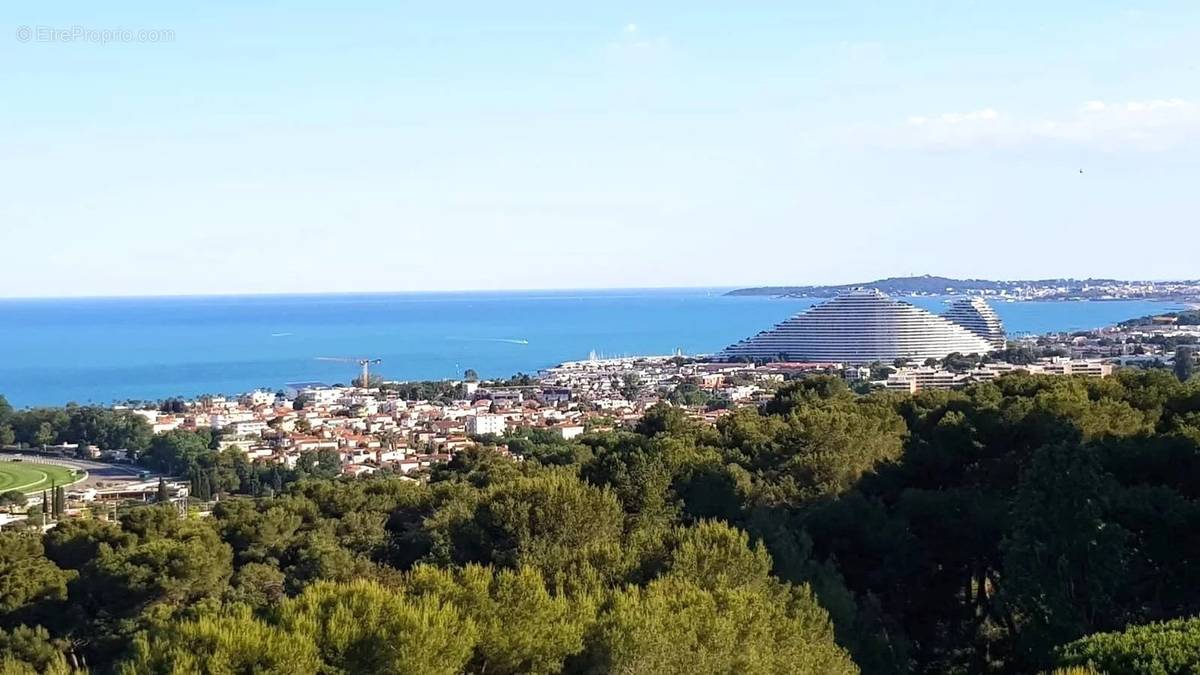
(977, 316)
(861, 326)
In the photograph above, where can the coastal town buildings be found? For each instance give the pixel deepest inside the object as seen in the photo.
(386, 428)
(478, 425)
(917, 379)
(371, 429)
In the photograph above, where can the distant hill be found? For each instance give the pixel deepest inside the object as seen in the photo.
(1037, 289)
(1189, 317)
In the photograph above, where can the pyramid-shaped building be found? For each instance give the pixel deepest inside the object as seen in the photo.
(862, 326)
(977, 316)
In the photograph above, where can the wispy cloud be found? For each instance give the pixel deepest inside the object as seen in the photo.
(985, 115)
(948, 130)
(637, 47)
(1154, 124)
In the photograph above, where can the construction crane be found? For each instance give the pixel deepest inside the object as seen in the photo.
(365, 363)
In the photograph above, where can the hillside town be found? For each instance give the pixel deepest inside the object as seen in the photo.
(1184, 290)
(405, 428)
(374, 428)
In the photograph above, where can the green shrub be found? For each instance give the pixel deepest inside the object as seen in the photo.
(1167, 648)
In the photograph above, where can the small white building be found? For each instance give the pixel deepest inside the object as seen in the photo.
(856, 373)
(478, 425)
(391, 455)
(321, 396)
(569, 431)
(247, 428)
(913, 380)
(258, 397)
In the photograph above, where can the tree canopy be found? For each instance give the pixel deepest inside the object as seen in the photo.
(1015, 526)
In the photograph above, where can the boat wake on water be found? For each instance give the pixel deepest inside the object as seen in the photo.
(511, 341)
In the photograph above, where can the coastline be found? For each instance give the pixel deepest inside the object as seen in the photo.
(1187, 301)
(102, 352)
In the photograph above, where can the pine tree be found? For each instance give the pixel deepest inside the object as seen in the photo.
(203, 487)
(37, 515)
(194, 477)
(162, 495)
(1183, 363)
(60, 501)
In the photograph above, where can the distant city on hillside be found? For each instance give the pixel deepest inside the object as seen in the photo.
(1039, 289)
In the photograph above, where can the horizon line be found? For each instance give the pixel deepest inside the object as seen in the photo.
(723, 287)
(298, 294)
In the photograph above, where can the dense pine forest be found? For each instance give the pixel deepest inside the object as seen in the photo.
(1022, 525)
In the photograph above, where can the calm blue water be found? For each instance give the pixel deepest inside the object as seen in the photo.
(105, 350)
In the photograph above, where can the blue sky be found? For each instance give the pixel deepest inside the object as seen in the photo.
(301, 147)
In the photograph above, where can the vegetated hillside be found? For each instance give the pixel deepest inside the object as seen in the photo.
(988, 530)
(1190, 317)
(892, 285)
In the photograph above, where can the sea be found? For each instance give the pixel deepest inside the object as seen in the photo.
(108, 350)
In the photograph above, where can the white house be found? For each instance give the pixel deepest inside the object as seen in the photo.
(478, 425)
